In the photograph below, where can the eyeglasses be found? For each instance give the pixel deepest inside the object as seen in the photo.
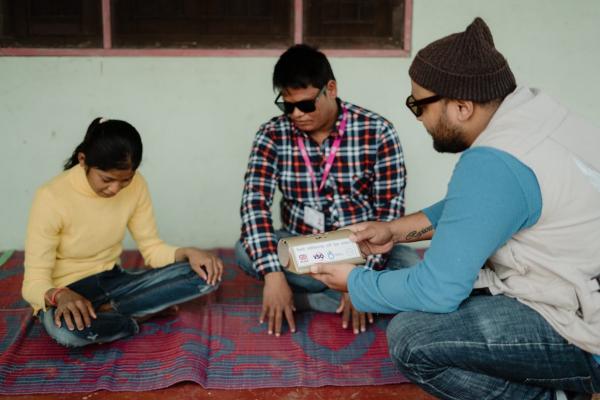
(416, 106)
(306, 106)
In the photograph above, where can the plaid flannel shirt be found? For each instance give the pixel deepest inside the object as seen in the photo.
(366, 181)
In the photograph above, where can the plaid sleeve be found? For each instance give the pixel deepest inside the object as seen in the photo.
(258, 234)
(389, 183)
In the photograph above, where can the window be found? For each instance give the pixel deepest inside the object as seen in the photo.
(56, 23)
(206, 24)
(203, 27)
(352, 24)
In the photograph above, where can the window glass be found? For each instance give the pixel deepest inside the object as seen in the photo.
(354, 24)
(202, 23)
(55, 23)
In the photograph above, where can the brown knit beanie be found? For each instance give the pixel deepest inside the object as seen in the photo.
(465, 66)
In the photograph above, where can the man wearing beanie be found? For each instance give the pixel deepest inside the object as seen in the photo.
(506, 302)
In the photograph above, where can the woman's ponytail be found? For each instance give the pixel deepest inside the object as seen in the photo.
(74, 159)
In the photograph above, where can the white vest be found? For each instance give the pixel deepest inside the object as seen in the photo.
(549, 265)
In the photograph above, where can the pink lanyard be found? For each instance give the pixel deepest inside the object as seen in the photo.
(332, 152)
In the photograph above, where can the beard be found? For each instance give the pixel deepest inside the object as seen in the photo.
(447, 138)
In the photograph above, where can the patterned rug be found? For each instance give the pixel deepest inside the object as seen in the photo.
(215, 341)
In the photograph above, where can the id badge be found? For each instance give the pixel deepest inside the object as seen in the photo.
(314, 218)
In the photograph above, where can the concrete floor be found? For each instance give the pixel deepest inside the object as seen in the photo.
(193, 391)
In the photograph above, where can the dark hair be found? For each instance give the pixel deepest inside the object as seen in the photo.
(302, 66)
(110, 144)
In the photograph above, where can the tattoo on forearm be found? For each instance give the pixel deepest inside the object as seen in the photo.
(415, 235)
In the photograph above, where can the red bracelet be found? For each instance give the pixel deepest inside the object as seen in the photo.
(53, 297)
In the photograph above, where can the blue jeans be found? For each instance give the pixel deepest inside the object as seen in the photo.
(131, 295)
(492, 347)
(311, 294)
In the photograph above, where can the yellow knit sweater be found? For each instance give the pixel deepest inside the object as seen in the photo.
(74, 233)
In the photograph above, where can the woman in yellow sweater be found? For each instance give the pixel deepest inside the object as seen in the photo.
(76, 226)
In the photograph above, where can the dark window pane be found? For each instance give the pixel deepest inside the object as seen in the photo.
(50, 23)
(353, 24)
(202, 23)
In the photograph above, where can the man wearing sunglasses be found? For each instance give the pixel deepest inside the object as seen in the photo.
(335, 164)
(506, 302)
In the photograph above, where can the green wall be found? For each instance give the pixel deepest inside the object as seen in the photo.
(197, 116)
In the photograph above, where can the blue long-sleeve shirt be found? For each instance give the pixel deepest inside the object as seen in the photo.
(491, 196)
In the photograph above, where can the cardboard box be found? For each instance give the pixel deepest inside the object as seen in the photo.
(298, 253)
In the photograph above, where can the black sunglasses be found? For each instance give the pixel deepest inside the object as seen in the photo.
(416, 106)
(306, 106)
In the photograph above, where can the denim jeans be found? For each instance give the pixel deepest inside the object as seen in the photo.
(311, 294)
(492, 347)
(131, 295)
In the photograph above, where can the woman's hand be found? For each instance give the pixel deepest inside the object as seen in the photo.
(208, 266)
(74, 308)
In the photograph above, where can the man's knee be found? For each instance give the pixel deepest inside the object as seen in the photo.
(243, 260)
(241, 256)
(402, 256)
(407, 336)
